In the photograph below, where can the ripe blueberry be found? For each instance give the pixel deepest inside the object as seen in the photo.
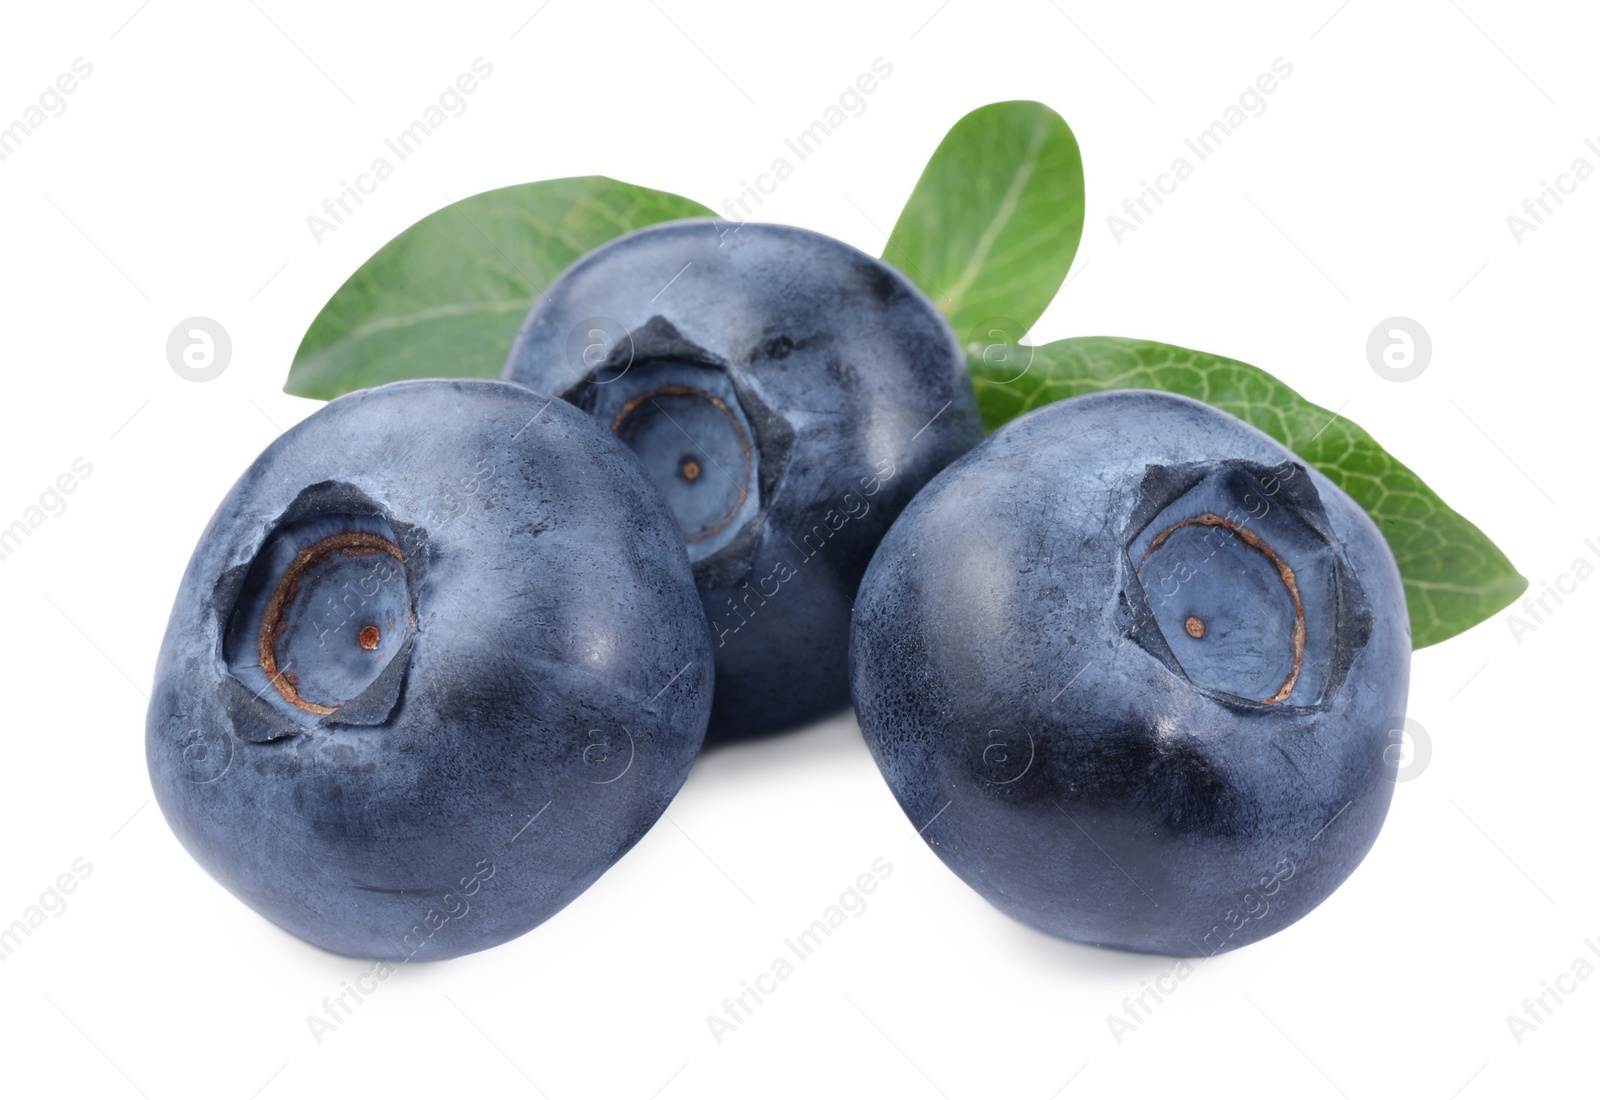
(437, 662)
(789, 395)
(1132, 668)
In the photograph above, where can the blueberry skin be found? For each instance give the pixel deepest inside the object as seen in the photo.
(538, 682)
(836, 375)
(1026, 678)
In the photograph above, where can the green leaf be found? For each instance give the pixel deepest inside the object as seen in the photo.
(991, 228)
(445, 297)
(1454, 576)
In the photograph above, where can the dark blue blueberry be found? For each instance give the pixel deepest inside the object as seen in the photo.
(789, 395)
(437, 662)
(1132, 668)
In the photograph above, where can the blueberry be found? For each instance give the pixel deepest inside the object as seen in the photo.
(1131, 668)
(437, 662)
(789, 395)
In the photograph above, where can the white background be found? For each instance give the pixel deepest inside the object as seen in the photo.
(1377, 183)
